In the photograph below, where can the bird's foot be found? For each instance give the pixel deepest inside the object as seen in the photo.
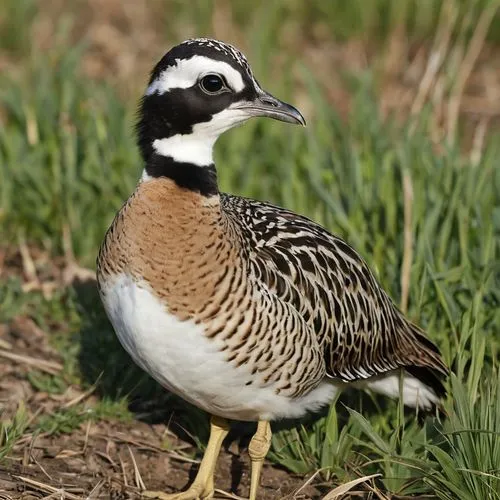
(203, 486)
(195, 492)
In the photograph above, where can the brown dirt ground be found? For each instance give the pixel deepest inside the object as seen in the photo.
(108, 460)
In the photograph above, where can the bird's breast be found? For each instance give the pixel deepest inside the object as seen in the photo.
(173, 241)
(165, 272)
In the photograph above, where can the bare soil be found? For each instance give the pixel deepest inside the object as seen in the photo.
(109, 460)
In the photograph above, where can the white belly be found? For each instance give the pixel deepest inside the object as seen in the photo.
(179, 356)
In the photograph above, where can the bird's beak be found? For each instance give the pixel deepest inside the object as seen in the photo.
(267, 105)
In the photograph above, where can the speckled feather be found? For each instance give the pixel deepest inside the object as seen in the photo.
(229, 50)
(360, 331)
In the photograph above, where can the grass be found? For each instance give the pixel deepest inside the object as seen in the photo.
(68, 160)
(11, 430)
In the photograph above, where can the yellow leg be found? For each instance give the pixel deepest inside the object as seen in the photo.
(258, 448)
(203, 485)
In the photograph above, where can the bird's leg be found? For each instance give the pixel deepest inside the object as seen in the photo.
(203, 485)
(258, 448)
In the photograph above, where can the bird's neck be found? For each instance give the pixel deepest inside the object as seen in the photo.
(187, 160)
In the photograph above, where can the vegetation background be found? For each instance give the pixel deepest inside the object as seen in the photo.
(400, 157)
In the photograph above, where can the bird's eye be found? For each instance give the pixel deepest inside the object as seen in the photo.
(212, 84)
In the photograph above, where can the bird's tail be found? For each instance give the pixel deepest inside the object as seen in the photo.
(422, 377)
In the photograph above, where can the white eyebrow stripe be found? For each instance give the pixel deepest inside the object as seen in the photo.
(186, 72)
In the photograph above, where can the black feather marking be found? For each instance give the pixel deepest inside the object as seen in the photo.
(185, 175)
(431, 378)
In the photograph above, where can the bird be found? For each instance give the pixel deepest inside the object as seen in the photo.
(246, 310)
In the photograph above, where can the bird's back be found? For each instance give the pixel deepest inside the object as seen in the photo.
(360, 331)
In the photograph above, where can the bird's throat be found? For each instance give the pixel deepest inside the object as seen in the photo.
(200, 179)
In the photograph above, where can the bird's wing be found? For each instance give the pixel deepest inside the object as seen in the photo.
(360, 330)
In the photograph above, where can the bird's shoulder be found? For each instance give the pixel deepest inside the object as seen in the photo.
(297, 246)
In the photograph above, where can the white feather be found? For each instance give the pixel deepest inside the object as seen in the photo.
(145, 176)
(187, 73)
(179, 356)
(197, 146)
(189, 148)
(415, 393)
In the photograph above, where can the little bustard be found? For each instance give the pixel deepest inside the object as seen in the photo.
(246, 310)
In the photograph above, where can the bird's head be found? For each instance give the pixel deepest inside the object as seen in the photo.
(197, 91)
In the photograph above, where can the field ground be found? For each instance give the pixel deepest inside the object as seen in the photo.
(400, 157)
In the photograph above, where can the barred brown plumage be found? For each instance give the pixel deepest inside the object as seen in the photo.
(245, 309)
(360, 330)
